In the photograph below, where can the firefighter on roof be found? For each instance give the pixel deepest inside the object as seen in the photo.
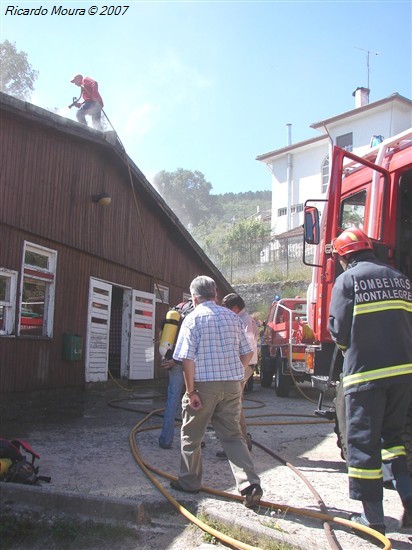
(370, 320)
(92, 104)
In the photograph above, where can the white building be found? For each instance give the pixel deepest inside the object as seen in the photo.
(300, 171)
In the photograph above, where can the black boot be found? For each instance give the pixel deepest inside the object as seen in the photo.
(407, 513)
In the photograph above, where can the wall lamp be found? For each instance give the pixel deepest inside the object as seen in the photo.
(104, 199)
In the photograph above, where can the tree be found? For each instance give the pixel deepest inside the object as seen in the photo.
(17, 76)
(236, 244)
(187, 193)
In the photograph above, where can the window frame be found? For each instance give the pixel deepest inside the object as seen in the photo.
(353, 209)
(325, 175)
(162, 293)
(348, 137)
(9, 305)
(45, 275)
(297, 208)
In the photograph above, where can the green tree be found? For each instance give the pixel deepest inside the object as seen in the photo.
(237, 243)
(188, 195)
(17, 76)
(242, 205)
(246, 238)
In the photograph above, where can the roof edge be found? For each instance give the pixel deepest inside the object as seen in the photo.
(370, 106)
(289, 148)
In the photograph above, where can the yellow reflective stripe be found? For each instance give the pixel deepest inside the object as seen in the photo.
(377, 374)
(365, 474)
(374, 307)
(393, 452)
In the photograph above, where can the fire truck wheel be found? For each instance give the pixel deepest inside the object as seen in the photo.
(266, 372)
(283, 382)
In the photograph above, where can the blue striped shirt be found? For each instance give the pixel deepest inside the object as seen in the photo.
(214, 338)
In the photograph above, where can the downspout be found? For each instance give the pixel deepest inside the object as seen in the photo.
(289, 177)
(330, 149)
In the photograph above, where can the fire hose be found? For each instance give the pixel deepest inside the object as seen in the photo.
(76, 100)
(323, 516)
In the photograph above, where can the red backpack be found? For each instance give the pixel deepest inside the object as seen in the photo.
(14, 464)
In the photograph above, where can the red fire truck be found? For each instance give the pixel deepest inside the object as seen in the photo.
(285, 339)
(373, 192)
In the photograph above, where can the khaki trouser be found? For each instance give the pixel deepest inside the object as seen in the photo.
(222, 404)
(248, 373)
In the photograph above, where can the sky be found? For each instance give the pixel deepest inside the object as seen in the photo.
(210, 85)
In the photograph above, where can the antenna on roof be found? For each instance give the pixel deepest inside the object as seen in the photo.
(368, 52)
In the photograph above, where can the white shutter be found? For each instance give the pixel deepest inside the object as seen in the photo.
(142, 336)
(98, 328)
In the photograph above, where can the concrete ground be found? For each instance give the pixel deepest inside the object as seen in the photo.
(82, 438)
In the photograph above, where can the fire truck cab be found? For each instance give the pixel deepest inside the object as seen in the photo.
(374, 193)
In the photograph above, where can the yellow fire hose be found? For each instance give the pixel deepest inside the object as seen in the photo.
(147, 469)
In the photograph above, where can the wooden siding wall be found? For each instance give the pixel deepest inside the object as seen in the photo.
(28, 363)
(46, 187)
(49, 179)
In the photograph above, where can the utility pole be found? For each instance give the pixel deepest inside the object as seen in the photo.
(367, 60)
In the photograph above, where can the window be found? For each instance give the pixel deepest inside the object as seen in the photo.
(37, 291)
(353, 211)
(186, 297)
(345, 141)
(8, 285)
(282, 212)
(296, 208)
(162, 294)
(325, 175)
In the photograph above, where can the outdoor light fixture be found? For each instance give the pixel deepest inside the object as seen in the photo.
(104, 199)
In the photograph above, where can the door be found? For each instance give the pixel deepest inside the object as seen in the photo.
(366, 187)
(98, 330)
(142, 336)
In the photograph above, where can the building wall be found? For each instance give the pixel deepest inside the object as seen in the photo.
(387, 120)
(306, 183)
(48, 178)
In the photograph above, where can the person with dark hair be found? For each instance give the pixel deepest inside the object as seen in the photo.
(214, 350)
(370, 320)
(175, 385)
(235, 303)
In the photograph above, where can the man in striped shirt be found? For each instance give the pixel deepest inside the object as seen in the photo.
(370, 320)
(214, 350)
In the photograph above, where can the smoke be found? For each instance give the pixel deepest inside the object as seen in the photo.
(65, 112)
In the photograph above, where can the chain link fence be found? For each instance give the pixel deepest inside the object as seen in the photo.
(263, 259)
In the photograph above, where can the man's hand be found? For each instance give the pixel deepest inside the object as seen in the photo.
(167, 364)
(195, 401)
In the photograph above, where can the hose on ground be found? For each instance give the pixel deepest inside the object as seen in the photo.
(322, 516)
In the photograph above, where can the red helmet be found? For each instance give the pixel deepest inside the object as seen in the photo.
(350, 241)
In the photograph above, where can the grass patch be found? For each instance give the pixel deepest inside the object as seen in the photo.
(242, 535)
(27, 531)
